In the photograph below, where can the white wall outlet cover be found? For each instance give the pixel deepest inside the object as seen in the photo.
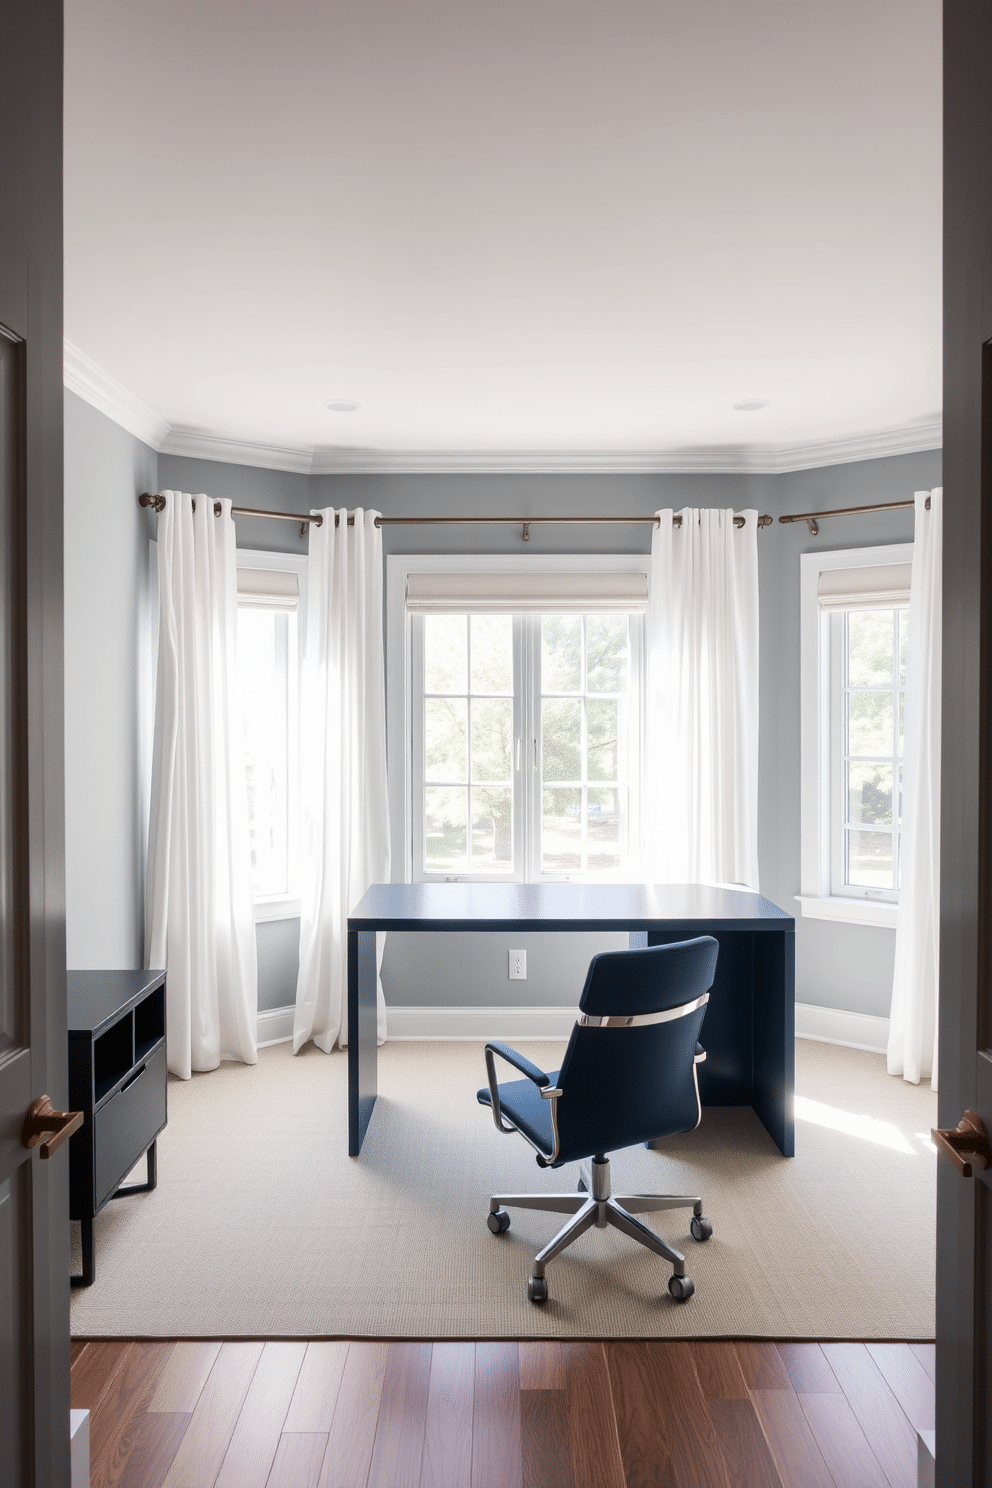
(518, 966)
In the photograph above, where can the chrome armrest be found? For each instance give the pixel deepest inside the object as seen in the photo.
(518, 1062)
(538, 1077)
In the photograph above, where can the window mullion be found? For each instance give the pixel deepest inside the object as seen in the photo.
(530, 782)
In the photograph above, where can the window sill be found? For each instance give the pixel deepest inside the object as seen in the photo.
(281, 908)
(851, 911)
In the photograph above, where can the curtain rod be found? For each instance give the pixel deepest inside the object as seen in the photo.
(811, 518)
(157, 503)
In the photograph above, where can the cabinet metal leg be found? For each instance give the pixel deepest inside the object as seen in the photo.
(88, 1273)
(151, 1180)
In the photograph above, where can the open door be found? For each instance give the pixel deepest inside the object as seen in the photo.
(964, 1198)
(34, 1194)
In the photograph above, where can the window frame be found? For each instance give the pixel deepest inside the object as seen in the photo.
(285, 906)
(402, 748)
(820, 676)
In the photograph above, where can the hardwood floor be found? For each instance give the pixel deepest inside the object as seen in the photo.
(503, 1415)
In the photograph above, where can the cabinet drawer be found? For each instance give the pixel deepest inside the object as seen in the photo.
(127, 1125)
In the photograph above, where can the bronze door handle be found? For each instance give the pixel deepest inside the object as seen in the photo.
(41, 1118)
(969, 1136)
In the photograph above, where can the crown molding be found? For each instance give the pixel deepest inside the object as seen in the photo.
(196, 445)
(97, 387)
(729, 460)
(879, 446)
(81, 375)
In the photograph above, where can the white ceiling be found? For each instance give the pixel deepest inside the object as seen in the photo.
(525, 234)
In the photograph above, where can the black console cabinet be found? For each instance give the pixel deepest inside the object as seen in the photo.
(117, 1078)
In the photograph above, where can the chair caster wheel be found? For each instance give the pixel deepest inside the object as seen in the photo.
(537, 1289)
(498, 1220)
(681, 1288)
(700, 1227)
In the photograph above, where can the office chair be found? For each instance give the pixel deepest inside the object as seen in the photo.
(628, 1076)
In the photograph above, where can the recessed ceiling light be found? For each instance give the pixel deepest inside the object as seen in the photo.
(340, 405)
(751, 405)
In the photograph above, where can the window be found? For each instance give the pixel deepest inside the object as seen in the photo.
(522, 717)
(855, 629)
(269, 611)
(868, 702)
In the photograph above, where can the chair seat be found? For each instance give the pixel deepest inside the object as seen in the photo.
(522, 1103)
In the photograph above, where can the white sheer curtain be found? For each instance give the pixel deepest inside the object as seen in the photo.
(912, 1047)
(701, 765)
(345, 816)
(198, 900)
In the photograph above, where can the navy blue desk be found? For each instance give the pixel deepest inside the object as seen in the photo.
(749, 1030)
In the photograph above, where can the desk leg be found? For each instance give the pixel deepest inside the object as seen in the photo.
(775, 1036)
(362, 1028)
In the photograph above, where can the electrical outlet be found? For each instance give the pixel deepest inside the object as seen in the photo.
(518, 966)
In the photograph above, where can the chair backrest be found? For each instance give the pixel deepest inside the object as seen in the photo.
(624, 1083)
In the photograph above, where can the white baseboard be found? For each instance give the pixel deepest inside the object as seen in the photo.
(480, 1023)
(79, 1448)
(826, 1025)
(274, 1026)
(834, 1026)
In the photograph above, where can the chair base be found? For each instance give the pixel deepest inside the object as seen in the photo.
(595, 1205)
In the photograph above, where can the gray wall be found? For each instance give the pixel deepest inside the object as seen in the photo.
(838, 965)
(106, 547)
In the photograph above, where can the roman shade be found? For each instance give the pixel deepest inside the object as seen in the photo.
(531, 592)
(878, 586)
(271, 588)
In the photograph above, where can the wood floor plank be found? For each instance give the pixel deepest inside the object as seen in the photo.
(253, 1446)
(76, 1346)
(798, 1460)
(546, 1461)
(696, 1451)
(298, 1460)
(592, 1426)
(184, 1377)
(927, 1355)
(807, 1368)
(908, 1381)
(447, 1460)
(542, 1365)
(718, 1369)
(762, 1366)
(208, 1435)
(316, 1393)
(95, 1371)
(878, 1412)
(147, 1451)
(846, 1449)
(398, 1450)
(496, 1459)
(745, 1450)
(127, 1398)
(349, 1448)
(642, 1418)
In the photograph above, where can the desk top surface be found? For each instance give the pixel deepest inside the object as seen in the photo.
(565, 906)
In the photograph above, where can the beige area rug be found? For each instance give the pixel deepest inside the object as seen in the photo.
(262, 1226)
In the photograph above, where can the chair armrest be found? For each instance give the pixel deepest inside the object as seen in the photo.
(540, 1079)
(519, 1062)
(700, 1054)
